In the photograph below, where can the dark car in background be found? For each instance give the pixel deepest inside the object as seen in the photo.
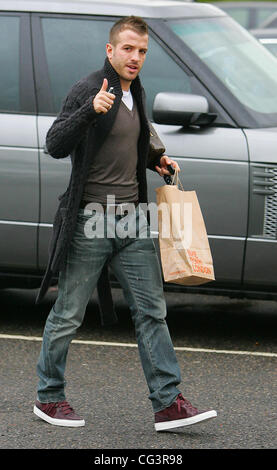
(224, 136)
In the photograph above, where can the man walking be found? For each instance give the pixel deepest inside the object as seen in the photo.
(107, 136)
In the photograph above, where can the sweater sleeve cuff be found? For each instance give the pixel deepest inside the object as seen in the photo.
(88, 109)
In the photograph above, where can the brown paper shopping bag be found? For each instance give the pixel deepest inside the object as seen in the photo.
(184, 246)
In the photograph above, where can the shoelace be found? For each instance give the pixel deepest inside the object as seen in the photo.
(66, 408)
(180, 400)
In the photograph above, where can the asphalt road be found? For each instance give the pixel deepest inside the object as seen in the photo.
(215, 339)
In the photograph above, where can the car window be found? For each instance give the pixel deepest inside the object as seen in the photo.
(76, 47)
(241, 15)
(270, 23)
(161, 73)
(264, 14)
(271, 46)
(235, 57)
(10, 62)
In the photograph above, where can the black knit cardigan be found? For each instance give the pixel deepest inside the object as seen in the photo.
(79, 132)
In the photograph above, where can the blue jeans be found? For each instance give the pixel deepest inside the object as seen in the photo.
(135, 264)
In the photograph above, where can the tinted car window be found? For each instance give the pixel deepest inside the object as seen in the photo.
(272, 47)
(161, 73)
(241, 15)
(273, 23)
(76, 47)
(236, 58)
(9, 60)
(264, 14)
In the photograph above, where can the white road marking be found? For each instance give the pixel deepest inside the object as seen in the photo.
(133, 345)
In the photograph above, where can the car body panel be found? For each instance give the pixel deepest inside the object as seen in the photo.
(55, 174)
(19, 191)
(261, 248)
(262, 144)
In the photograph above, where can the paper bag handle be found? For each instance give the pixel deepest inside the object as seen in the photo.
(176, 178)
(169, 180)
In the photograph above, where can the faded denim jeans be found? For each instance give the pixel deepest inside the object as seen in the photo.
(135, 264)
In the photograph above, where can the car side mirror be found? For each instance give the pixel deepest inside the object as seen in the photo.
(182, 109)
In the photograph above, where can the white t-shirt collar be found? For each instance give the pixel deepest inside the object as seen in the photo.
(127, 99)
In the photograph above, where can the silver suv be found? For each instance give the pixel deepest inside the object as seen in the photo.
(222, 131)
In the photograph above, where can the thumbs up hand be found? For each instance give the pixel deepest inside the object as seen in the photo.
(103, 101)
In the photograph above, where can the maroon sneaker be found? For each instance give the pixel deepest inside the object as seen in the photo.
(59, 414)
(180, 413)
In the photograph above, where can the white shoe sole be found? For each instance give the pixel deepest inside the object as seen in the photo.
(177, 423)
(58, 422)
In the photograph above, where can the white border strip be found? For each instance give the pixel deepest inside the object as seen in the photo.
(133, 345)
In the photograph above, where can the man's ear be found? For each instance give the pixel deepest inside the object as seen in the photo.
(109, 50)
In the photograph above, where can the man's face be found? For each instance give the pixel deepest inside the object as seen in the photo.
(128, 54)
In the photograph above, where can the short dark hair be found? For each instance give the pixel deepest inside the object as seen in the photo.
(135, 23)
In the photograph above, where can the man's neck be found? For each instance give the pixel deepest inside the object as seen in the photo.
(125, 84)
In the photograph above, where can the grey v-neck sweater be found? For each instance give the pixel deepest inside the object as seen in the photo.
(114, 169)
